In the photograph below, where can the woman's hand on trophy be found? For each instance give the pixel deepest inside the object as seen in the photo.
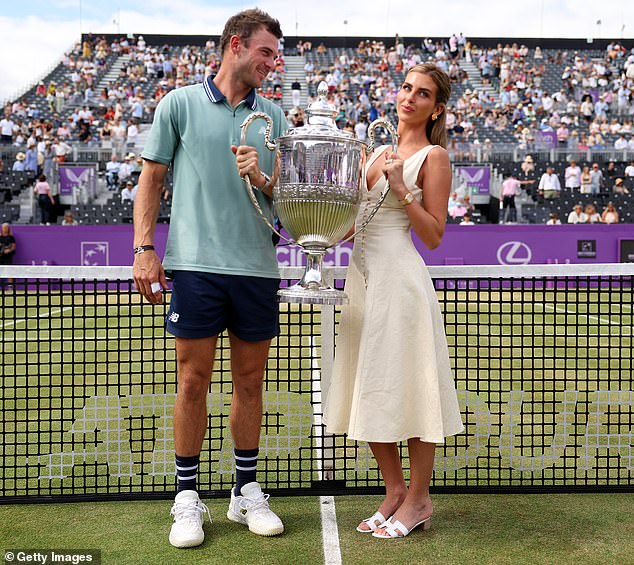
(393, 171)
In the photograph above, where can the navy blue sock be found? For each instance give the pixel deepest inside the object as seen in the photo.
(246, 465)
(186, 470)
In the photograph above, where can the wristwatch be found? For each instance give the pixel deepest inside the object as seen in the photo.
(143, 249)
(409, 198)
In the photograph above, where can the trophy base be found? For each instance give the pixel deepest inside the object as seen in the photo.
(325, 295)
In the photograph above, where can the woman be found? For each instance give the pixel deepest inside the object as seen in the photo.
(44, 199)
(591, 213)
(392, 380)
(610, 215)
(30, 163)
(106, 136)
(586, 181)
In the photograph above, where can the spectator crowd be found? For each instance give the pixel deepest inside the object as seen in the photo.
(528, 99)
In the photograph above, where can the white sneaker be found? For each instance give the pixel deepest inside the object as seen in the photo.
(252, 509)
(188, 512)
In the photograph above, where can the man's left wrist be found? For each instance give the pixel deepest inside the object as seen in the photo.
(267, 180)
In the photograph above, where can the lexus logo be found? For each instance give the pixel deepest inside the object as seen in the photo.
(514, 253)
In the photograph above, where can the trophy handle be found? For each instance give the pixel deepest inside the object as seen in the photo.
(380, 122)
(385, 123)
(271, 147)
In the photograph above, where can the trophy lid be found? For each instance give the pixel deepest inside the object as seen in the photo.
(321, 119)
(322, 112)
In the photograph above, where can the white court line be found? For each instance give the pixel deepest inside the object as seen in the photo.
(330, 531)
(22, 320)
(561, 310)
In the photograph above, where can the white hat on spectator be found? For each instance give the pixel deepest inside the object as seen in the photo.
(20, 156)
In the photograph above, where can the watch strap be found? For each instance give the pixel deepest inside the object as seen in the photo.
(409, 198)
(267, 180)
(143, 249)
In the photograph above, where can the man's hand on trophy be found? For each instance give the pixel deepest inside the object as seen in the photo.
(247, 165)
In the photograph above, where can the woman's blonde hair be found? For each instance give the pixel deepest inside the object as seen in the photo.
(436, 129)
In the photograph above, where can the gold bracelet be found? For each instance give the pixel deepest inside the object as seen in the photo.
(409, 198)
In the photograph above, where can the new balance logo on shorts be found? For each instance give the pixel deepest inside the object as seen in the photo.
(173, 317)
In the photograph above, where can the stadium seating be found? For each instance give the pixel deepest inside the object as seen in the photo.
(121, 76)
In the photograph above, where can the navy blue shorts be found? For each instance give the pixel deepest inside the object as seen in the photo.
(205, 304)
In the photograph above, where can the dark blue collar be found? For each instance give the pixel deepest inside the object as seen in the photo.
(216, 96)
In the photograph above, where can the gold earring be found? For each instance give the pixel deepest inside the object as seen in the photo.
(434, 116)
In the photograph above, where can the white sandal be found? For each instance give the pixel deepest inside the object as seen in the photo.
(392, 527)
(373, 522)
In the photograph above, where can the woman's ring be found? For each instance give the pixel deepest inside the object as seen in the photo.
(389, 161)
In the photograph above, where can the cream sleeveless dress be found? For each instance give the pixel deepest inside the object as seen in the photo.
(391, 380)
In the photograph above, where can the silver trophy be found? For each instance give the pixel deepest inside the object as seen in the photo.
(319, 190)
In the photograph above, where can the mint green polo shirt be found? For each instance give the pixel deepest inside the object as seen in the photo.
(214, 226)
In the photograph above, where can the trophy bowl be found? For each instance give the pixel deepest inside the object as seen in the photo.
(318, 193)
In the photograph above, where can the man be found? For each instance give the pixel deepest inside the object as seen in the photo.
(621, 143)
(136, 110)
(7, 130)
(577, 216)
(128, 192)
(572, 176)
(112, 172)
(612, 172)
(220, 257)
(62, 150)
(596, 179)
(549, 185)
(126, 169)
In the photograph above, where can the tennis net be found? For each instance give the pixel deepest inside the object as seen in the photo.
(542, 358)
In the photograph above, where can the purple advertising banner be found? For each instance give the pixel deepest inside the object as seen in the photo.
(477, 179)
(485, 244)
(547, 139)
(72, 176)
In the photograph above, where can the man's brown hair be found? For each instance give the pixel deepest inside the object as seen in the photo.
(245, 24)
